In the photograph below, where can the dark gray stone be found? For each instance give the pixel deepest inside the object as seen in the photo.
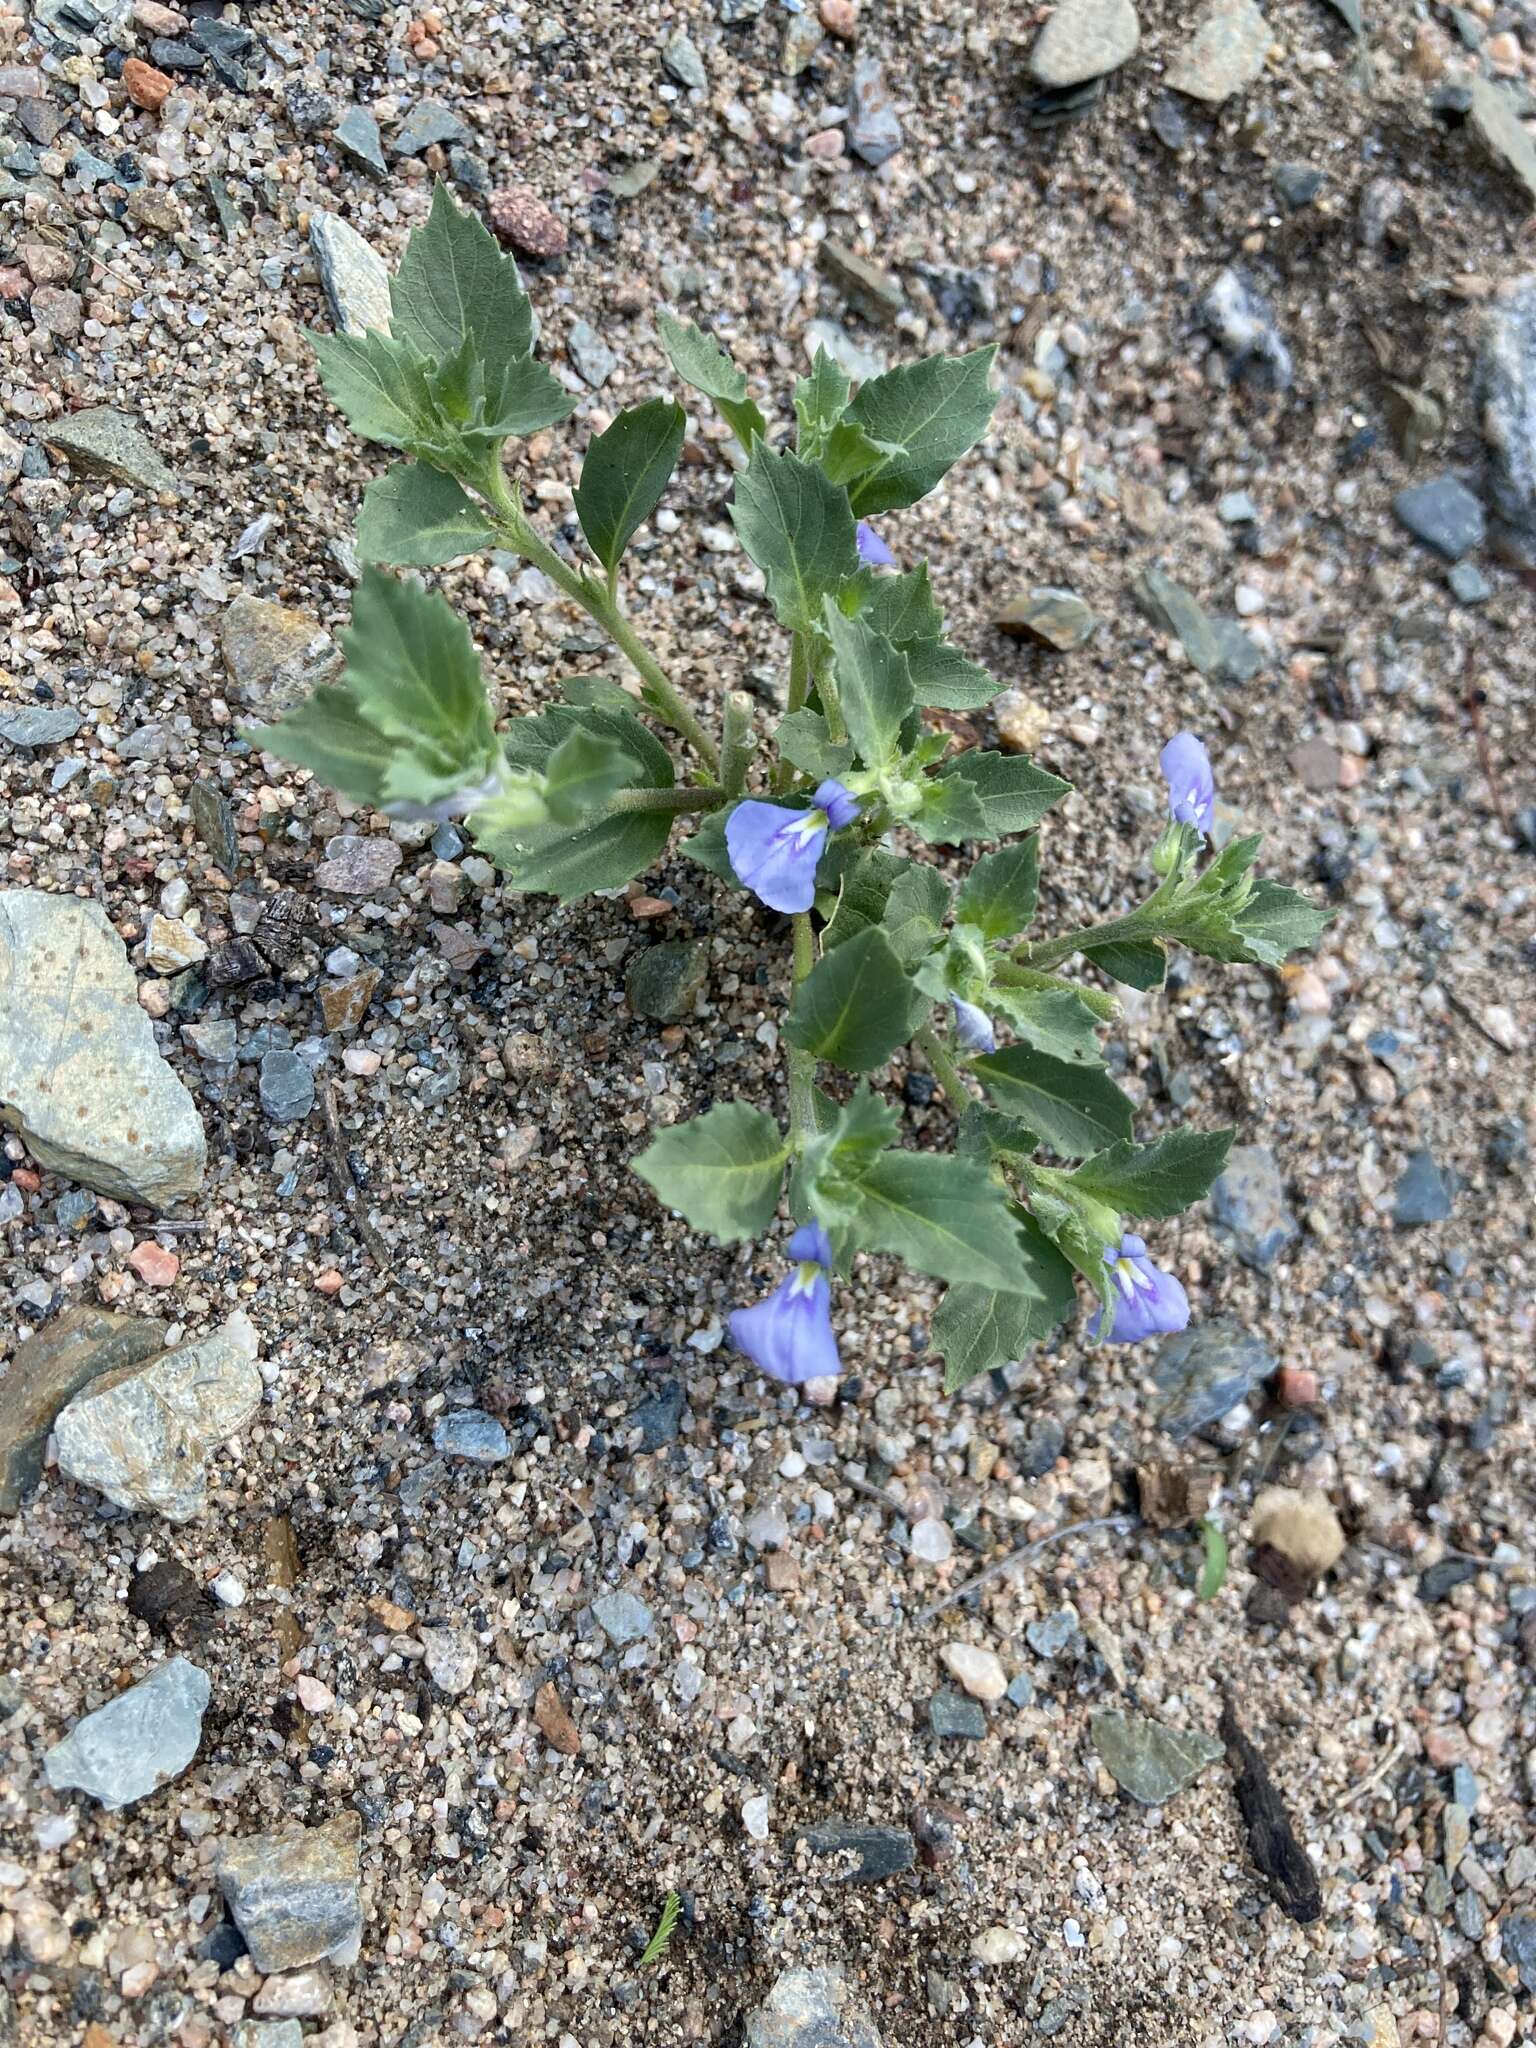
(882, 1851)
(287, 1087)
(471, 1433)
(1520, 1948)
(1422, 1195)
(213, 820)
(1021, 1691)
(357, 136)
(1297, 184)
(1248, 1203)
(308, 106)
(1052, 1634)
(1506, 396)
(659, 1418)
(426, 123)
(1443, 1577)
(952, 1714)
(1041, 1448)
(665, 980)
(1443, 514)
(1148, 1760)
(39, 725)
(1219, 648)
(1203, 1373)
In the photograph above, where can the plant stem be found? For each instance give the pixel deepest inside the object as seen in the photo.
(1051, 952)
(799, 690)
(802, 1065)
(736, 742)
(698, 796)
(945, 1071)
(600, 602)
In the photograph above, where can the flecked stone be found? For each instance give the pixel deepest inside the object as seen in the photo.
(294, 1896)
(39, 725)
(681, 60)
(213, 819)
(1147, 1759)
(1219, 648)
(1041, 1448)
(1248, 1204)
(1520, 1948)
(101, 441)
(1052, 1633)
(137, 1742)
(171, 946)
(471, 1433)
(452, 1655)
(80, 1074)
(1021, 1690)
(594, 360)
(1225, 53)
(426, 123)
(979, 1672)
(665, 980)
(1084, 39)
(1422, 1194)
(1506, 394)
(47, 1371)
(881, 1851)
(274, 655)
(1244, 323)
(952, 1715)
(520, 220)
(1202, 1374)
(623, 1618)
(355, 277)
(874, 132)
(287, 1087)
(864, 282)
(1494, 118)
(344, 1004)
(1443, 514)
(143, 1434)
(1468, 584)
(799, 44)
(357, 136)
(1055, 618)
(810, 2009)
(356, 864)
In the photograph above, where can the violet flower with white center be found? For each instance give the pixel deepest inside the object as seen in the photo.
(774, 850)
(873, 552)
(973, 1027)
(1148, 1301)
(789, 1334)
(1191, 782)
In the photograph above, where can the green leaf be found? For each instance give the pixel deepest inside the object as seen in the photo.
(855, 1006)
(949, 813)
(988, 1134)
(977, 1328)
(848, 1137)
(798, 529)
(722, 1170)
(1276, 922)
(414, 672)
(998, 895)
(1075, 1109)
(584, 769)
(706, 366)
(820, 401)
(599, 692)
(521, 398)
(328, 735)
(379, 384)
(455, 285)
(873, 686)
(1213, 1567)
(1015, 794)
(863, 891)
(914, 911)
(943, 1215)
(625, 472)
(947, 679)
(415, 517)
(849, 452)
(903, 607)
(803, 740)
(1159, 1179)
(1135, 963)
(929, 414)
(1053, 1020)
(573, 860)
(707, 846)
(661, 1940)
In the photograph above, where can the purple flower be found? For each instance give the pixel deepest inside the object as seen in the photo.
(1186, 768)
(789, 1336)
(774, 851)
(1148, 1301)
(973, 1027)
(873, 552)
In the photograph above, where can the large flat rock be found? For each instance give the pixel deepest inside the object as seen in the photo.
(80, 1074)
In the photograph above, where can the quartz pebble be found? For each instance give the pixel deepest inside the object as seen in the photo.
(979, 1671)
(138, 1741)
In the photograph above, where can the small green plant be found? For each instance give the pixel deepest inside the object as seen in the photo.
(661, 1940)
(1213, 1559)
(823, 819)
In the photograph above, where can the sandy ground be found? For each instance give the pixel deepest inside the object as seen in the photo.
(507, 1887)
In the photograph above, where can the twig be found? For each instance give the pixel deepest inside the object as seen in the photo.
(870, 1491)
(1373, 1778)
(996, 1569)
(342, 1181)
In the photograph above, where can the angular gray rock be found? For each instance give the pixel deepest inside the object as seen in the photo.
(874, 132)
(1202, 1374)
(623, 1618)
(137, 1742)
(1248, 1204)
(1443, 514)
(80, 1074)
(1218, 647)
(1243, 322)
(294, 1896)
(1084, 39)
(1507, 400)
(355, 276)
(664, 981)
(39, 725)
(1146, 1759)
(48, 1371)
(274, 655)
(681, 60)
(595, 361)
(101, 441)
(143, 1434)
(810, 2009)
(1494, 118)
(471, 1433)
(1225, 53)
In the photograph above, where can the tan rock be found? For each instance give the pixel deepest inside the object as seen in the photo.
(1301, 1526)
(145, 86)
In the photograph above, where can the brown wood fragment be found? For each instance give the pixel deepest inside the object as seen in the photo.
(1172, 1494)
(555, 1723)
(1272, 1840)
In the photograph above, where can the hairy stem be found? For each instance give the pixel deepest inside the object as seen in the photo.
(802, 1065)
(1051, 952)
(799, 690)
(945, 1071)
(599, 601)
(699, 796)
(736, 742)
